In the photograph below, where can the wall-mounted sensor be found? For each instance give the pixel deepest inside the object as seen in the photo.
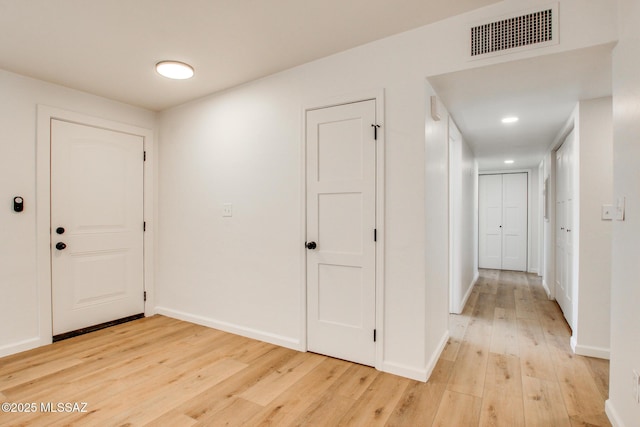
(18, 204)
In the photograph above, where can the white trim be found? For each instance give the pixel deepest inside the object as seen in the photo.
(232, 328)
(405, 371)
(463, 303)
(303, 229)
(433, 361)
(418, 374)
(43, 207)
(546, 290)
(21, 346)
(590, 351)
(612, 414)
(378, 96)
(459, 306)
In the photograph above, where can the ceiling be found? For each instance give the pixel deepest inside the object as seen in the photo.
(109, 48)
(541, 91)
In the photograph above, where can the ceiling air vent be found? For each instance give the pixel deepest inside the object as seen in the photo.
(533, 29)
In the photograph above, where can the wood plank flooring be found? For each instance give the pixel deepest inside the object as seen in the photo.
(507, 363)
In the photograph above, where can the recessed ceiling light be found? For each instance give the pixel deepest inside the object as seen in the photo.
(174, 70)
(508, 162)
(510, 119)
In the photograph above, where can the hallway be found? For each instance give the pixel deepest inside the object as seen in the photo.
(508, 361)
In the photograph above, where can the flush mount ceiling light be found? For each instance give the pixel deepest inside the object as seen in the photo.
(508, 162)
(174, 70)
(510, 119)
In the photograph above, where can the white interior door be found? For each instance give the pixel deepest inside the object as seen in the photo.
(564, 223)
(514, 221)
(341, 191)
(490, 221)
(96, 225)
(502, 222)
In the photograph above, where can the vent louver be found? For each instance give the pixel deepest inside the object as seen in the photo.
(519, 31)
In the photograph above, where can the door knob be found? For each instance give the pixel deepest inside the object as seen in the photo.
(311, 245)
(60, 230)
(60, 246)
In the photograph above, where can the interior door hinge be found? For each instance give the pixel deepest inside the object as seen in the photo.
(375, 131)
(144, 156)
(374, 335)
(144, 295)
(144, 226)
(375, 234)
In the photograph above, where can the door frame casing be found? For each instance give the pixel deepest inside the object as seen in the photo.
(43, 207)
(378, 96)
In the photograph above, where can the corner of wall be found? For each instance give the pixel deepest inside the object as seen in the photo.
(612, 414)
(418, 374)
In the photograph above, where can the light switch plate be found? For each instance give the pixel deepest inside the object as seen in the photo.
(607, 212)
(227, 209)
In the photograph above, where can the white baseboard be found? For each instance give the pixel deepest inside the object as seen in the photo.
(533, 270)
(546, 289)
(21, 346)
(459, 308)
(476, 276)
(612, 414)
(413, 373)
(590, 351)
(433, 361)
(276, 339)
(404, 371)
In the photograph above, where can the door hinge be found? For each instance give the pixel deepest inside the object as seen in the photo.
(375, 131)
(144, 226)
(144, 156)
(144, 295)
(374, 335)
(375, 234)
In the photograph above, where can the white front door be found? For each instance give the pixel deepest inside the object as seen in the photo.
(502, 222)
(341, 251)
(96, 225)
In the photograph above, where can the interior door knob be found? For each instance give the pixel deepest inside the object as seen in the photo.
(311, 245)
(60, 246)
(60, 230)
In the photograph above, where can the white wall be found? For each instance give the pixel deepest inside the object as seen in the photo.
(244, 146)
(625, 295)
(595, 140)
(593, 172)
(462, 181)
(20, 95)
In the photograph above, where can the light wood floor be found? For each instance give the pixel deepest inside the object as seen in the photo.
(508, 363)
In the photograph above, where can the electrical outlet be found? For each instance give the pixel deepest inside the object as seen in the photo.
(636, 386)
(227, 209)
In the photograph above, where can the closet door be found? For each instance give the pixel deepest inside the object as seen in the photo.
(502, 221)
(514, 221)
(564, 224)
(490, 221)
